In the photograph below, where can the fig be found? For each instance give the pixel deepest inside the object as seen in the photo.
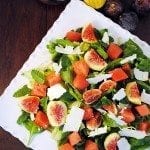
(30, 104)
(88, 34)
(94, 122)
(56, 112)
(133, 93)
(113, 8)
(128, 20)
(142, 7)
(107, 85)
(111, 108)
(94, 61)
(88, 113)
(110, 142)
(91, 96)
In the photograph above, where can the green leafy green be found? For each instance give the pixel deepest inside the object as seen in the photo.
(32, 128)
(65, 62)
(22, 91)
(102, 31)
(67, 75)
(65, 42)
(23, 118)
(144, 85)
(38, 76)
(140, 144)
(103, 101)
(113, 64)
(44, 103)
(55, 56)
(67, 98)
(84, 46)
(100, 50)
(144, 65)
(130, 48)
(109, 122)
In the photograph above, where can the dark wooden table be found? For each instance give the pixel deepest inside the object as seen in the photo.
(23, 23)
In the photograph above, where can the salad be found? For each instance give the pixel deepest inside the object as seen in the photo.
(95, 95)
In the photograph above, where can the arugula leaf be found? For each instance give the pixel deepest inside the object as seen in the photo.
(84, 46)
(130, 48)
(67, 98)
(144, 86)
(23, 118)
(22, 91)
(38, 76)
(102, 31)
(113, 64)
(100, 50)
(144, 65)
(55, 56)
(65, 62)
(65, 42)
(103, 101)
(109, 122)
(67, 75)
(44, 103)
(140, 144)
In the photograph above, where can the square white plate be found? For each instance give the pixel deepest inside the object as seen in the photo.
(75, 15)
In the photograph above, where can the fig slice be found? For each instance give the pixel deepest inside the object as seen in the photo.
(133, 93)
(30, 104)
(56, 112)
(91, 96)
(88, 34)
(110, 142)
(94, 61)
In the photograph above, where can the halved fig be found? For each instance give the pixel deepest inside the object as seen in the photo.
(30, 104)
(107, 85)
(94, 122)
(88, 34)
(94, 61)
(56, 112)
(88, 113)
(110, 142)
(111, 108)
(133, 93)
(91, 96)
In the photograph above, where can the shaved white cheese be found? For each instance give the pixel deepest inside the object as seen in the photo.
(140, 75)
(102, 111)
(98, 131)
(68, 50)
(128, 59)
(32, 116)
(74, 119)
(99, 78)
(116, 119)
(132, 133)
(55, 91)
(56, 67)
(105, 38)
(123, 144)
(145, 97)
(119, 95)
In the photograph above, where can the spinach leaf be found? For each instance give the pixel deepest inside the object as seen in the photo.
(144, 65)
(23, 118)
(130, 48)
(44, 103)
(32, 128)
(38, 76)
(22, 91)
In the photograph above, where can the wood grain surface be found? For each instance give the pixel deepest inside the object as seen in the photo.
(23, 23)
